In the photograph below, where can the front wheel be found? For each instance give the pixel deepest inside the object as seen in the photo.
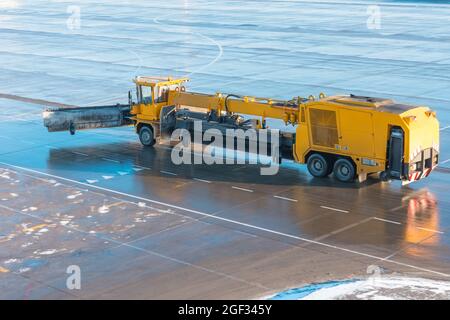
(344, 170)
(384, 176)
(318, 166)
(146, 136)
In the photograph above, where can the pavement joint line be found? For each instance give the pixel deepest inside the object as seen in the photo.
(334, 209)
(201, 180)
(241, 189)
(150, 252)
(284, 198)
(250, 226)
(168, 172)
(386, 220)
(408, 246)
(80, 153)
(397, 208)
(332, 233)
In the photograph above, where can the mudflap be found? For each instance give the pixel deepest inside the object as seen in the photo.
(396, 153)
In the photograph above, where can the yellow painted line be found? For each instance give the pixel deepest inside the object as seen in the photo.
(6, 239)
(431, 230)
(36, 227)
(3, 270)
(114, 204)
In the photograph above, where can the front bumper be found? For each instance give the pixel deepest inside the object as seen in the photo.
(421, 166)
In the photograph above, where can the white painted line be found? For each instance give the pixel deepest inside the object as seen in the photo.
(80, 153)
(168, 172)
(141, 167)
(385, 220)
(444, 128)
(107, 177)
(242, 189)
(431, 230)
(334, 209)
(284, 198)
(212, 216)
(91, 181)
(111, 160)
(201, 180)
(122, 173)
(445, 161)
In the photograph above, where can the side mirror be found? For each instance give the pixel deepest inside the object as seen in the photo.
(130, 99)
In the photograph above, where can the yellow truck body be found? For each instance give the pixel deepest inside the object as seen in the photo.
(347, 135)
(374, 135)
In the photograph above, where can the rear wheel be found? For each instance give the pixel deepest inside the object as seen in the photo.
(344, 170)
(318, 165)
(146, 136)
(384, 176)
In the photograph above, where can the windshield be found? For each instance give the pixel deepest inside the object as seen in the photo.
(144, 94)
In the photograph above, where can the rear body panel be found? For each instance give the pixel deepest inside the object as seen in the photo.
(378, 135)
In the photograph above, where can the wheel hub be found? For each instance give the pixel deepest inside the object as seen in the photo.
(145, 136)
(344, 171)
(318, 165)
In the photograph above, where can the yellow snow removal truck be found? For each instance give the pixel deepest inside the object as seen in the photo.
(349, 136)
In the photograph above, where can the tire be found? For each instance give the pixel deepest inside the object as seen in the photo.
(318, 165)
(344, 170)
(384, 176)
(146, 136)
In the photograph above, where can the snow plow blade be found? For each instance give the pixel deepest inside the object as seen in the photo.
(80, 118)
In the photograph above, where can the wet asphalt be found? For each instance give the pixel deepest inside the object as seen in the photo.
(139, 226)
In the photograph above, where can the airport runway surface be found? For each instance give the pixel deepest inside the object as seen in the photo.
(139, 226)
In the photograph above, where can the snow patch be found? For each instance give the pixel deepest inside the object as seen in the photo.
(73, 196)
(10, 261)
(103, 209)
(373, 288)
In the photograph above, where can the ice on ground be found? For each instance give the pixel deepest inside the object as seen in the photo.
(385, 288)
